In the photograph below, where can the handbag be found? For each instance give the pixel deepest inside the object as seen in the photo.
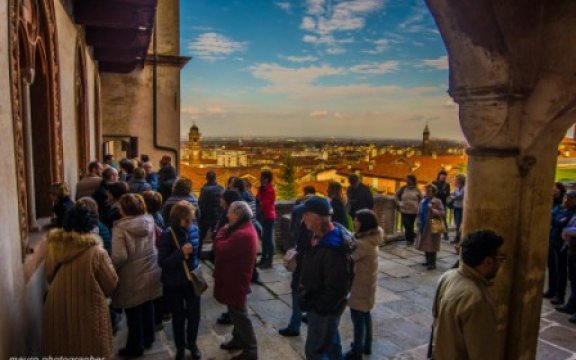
(290, 260)
(196, 276)
(437, 226)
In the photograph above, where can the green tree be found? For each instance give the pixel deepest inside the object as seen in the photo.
(287, 188)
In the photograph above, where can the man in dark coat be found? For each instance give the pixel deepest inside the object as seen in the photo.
(359, 195)
(325, 281)
(209, 203)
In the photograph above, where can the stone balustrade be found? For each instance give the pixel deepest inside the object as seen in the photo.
(384, 207)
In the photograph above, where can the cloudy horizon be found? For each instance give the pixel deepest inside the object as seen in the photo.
(341, 68)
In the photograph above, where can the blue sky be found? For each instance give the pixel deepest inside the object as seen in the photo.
(348, 68)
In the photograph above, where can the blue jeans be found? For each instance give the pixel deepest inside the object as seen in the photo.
(362, 322)
(268, 240)
(323, 340)
(296, 318)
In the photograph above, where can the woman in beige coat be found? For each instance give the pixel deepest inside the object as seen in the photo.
(430, 210)
(76, 322)
(135, 258)
(368, 237)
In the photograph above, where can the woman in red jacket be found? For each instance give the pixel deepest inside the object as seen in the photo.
(235, 250)
(267, 200)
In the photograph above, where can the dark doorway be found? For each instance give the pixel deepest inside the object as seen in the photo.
(40, 130)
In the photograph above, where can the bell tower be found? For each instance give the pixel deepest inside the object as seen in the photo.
(426, 141)
(194, 146)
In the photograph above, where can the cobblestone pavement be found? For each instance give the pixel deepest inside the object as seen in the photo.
(401, 317)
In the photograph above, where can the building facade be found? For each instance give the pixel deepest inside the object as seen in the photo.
(73, 76)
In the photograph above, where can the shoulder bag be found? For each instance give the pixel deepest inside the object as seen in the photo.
(196, 277)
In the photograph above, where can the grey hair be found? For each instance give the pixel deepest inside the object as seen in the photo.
(242, 209)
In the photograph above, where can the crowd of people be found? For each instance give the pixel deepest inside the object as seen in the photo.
(428, 211)
(132, 242)
(562, 252)
(135, 237)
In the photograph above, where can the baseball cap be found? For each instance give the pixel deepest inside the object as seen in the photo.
(317, 205)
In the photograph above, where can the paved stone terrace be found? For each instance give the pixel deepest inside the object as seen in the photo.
(401, 317)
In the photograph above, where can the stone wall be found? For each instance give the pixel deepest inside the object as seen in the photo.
(384, 207)
(21, 299)
(127, 99)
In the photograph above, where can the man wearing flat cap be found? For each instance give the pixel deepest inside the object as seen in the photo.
(325, 281)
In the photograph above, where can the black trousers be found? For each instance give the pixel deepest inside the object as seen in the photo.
(185, 307)
(243, 333)
(140, 321)
(408, 221)
(557, 270)
(205, 227)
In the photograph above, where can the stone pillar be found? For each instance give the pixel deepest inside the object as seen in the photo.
(385, 209)
(513, 80)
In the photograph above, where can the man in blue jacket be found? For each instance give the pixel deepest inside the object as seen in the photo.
(325, 280)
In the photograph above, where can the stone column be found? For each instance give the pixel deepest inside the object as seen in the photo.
(512, 77)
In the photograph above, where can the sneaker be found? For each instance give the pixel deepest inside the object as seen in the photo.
(548, 295)
(431, 267)
(288, 332)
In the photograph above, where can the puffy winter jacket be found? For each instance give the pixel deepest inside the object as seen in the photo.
(327, 272)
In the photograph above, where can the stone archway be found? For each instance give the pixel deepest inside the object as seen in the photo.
(512, 74)
(35, 95)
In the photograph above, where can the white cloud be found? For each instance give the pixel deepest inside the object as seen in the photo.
(301, 83)
(193, 112)
(315, 7)
(376, 68)
(419, 21)
(308, 24)
(318, 113)
(299, 59)
(286, 6)
(212, 46)
(440, 64)
(380, 46)
(335, 50)
(277, 74)
(324, 20)
(215, 110)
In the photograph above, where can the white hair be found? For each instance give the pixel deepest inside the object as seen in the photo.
(241, 209)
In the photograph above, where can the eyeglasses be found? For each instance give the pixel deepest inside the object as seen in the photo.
(500, 257)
